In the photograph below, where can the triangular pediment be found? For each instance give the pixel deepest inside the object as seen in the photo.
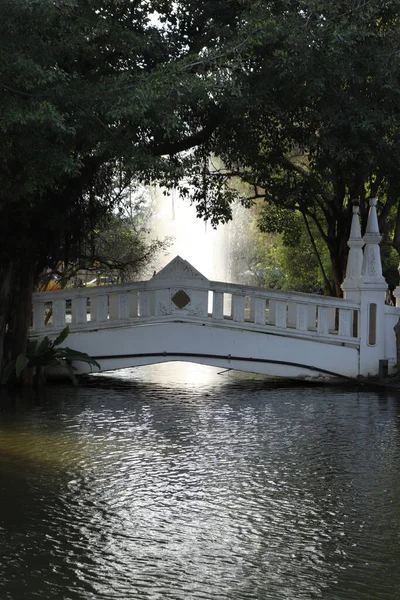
(179, 269)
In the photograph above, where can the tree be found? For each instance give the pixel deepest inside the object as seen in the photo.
(303, 255)
(118, 250)
(92, 90)
(317, 121)
(270, 247)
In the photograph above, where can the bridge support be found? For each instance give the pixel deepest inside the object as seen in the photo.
(365, 283)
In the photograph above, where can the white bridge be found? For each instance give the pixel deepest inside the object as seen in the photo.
(180, 315)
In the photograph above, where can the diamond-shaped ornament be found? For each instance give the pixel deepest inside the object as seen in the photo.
(180, 299)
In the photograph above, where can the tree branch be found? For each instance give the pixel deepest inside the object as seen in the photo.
(177, 146)
(311, 237)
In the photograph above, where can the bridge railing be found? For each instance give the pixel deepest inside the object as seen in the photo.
(296, 312)
(225, 304)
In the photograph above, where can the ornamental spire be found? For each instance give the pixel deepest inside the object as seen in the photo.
(371, 271)
(355, 243)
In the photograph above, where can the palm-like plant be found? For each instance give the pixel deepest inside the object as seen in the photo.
(47, 353)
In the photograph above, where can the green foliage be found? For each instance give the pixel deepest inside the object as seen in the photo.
(47, 353)
(120, 248)
(92, 91)
(316, 123)
(96, 95)
(301, 253)
(300, 267)
(283, 259)
(275, 219)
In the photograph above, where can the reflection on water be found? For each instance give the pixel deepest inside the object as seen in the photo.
(174, 482)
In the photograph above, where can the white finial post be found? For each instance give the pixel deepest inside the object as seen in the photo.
(372, 264)
(355, 259)
(373, 288)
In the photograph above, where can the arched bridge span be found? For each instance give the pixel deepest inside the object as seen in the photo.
(179, 314)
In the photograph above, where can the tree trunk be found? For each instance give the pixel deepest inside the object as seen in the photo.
(6, 286)
(338, 260)
(15, 309)
(21, 313)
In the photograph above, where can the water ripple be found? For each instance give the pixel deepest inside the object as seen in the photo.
(224, 488)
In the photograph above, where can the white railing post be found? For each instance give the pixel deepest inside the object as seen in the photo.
(132, 306)
(38, 315)
(302, 317)
(260, 307)
(144, 304)
(59, 313)
(280, 314)
(345, 322)
(323, 320)
(162, 302)
(99, 308)
(238, 308)
(79, 311)
(218, 305)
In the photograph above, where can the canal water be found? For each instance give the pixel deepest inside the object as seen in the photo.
(180, 482)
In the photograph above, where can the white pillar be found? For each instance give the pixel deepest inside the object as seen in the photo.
(350, 285)
(373, 288)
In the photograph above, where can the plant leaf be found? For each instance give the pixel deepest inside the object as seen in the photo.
(69, 354)
(21, 362)
(44, 345)
(63, 335)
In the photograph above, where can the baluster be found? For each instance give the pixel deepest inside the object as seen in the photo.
(332, 325)
(259, 310)
(144, 304)
(98, 308)
(123, 306)
(38, 315)
(238, 308)
(59, 313)
(302, 317)
(79, 310)
(280, 314)
(218, 305)
(133, 304)
(323, 321)
(162, 302)
(345, 322)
